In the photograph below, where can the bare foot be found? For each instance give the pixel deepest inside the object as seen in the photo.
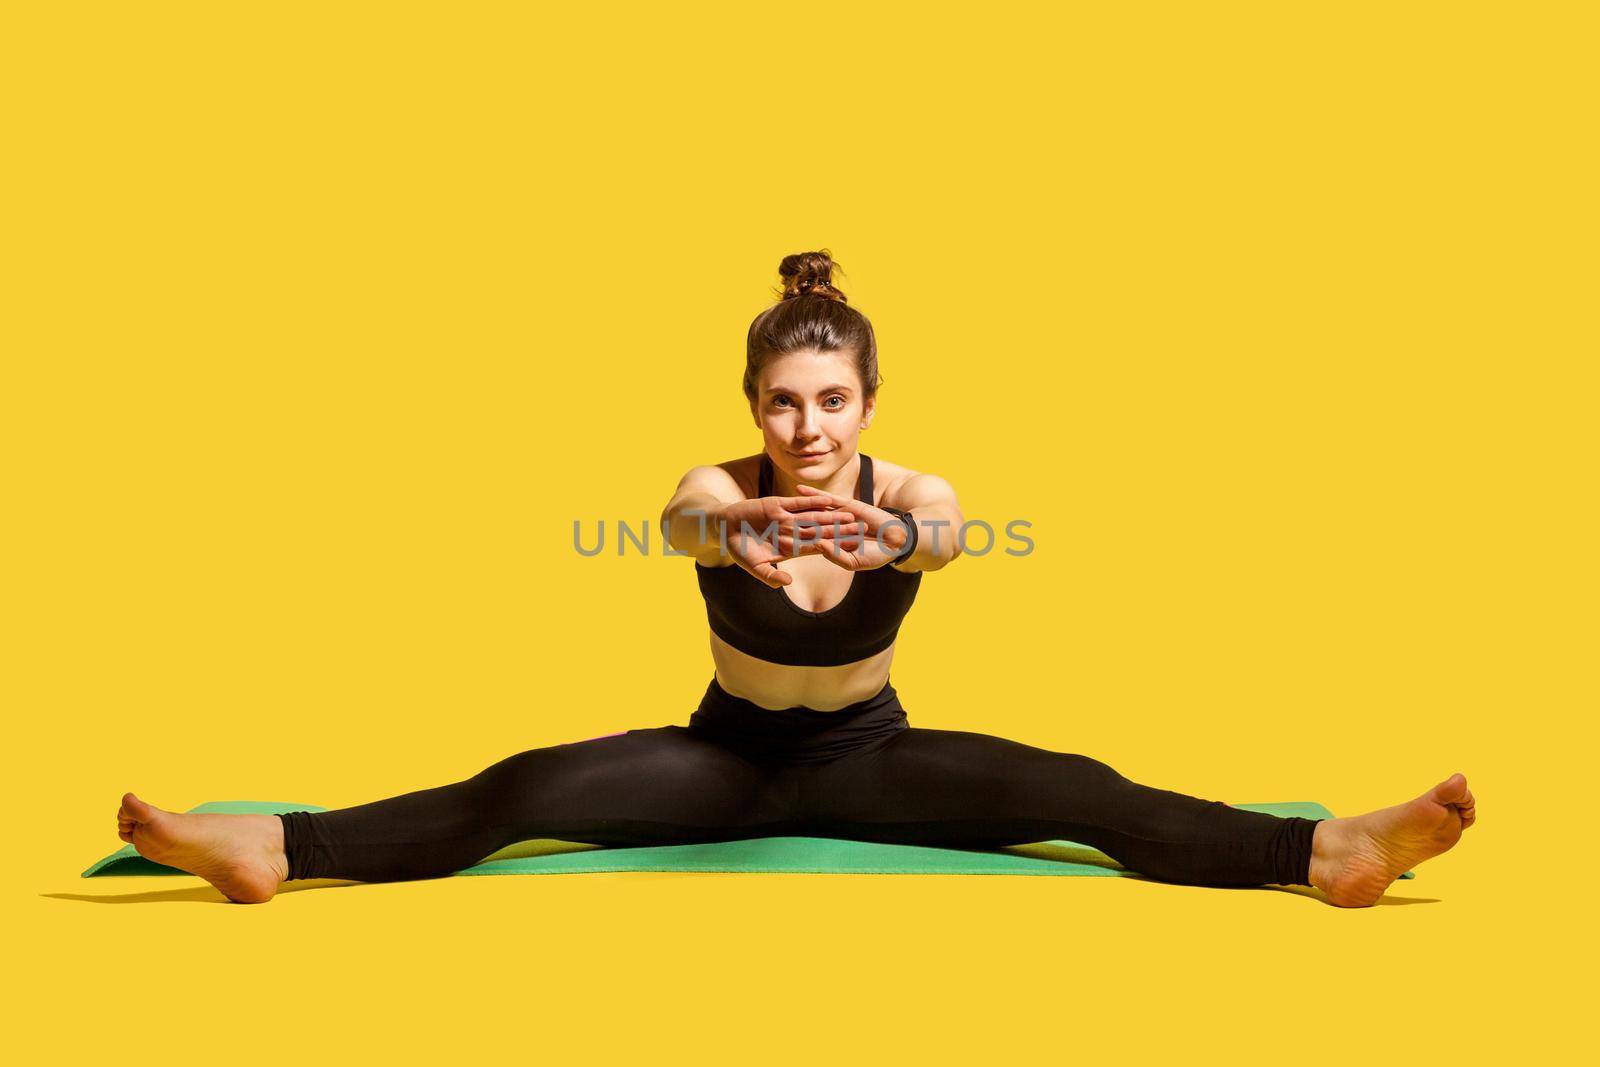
(1354, 860)
(242, 855)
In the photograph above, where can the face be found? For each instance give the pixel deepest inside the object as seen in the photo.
(811, 411)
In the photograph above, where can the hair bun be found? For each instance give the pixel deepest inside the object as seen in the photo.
(809, 273)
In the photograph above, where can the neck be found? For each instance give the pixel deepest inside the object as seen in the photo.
(842, 483)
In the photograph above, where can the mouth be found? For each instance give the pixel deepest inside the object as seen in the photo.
(808, 455)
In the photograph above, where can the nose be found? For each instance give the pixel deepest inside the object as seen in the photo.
(808, 428)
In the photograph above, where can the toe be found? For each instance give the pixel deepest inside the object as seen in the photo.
(134, 808)
(1450, 791)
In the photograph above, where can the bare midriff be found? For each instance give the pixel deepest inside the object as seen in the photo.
(780, 685)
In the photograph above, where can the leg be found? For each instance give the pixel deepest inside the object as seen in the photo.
(952, 787)
(644, 787)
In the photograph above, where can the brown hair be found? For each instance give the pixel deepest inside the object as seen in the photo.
(811, 315)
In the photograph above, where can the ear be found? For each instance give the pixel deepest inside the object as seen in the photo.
(867, 411)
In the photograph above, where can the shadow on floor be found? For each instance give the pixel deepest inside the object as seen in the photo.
(205, 894)
(200, 894)
(1388, 899)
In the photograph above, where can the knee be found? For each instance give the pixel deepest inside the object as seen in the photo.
(1056, 778)
(1089, 769)
(516, 776)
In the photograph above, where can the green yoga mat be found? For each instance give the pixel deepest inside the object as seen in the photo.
(770, 855)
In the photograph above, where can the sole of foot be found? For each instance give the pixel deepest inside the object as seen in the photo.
(1354, 860)
(241, 855)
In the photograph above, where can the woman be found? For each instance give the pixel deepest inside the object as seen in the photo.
(808, 555)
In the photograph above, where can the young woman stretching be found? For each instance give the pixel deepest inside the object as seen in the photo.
(808, 555)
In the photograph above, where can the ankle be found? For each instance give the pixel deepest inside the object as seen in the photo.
(1327, 849)
(272, 842)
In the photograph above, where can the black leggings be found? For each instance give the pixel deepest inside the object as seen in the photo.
(741, 771)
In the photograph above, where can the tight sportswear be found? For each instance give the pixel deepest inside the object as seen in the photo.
(738, 770)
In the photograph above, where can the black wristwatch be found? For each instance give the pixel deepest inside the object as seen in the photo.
(911, 533)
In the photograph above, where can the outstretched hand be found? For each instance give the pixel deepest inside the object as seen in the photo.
(782, 527)
(877, 538)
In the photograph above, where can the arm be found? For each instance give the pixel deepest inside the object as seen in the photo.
(693, 516)
(932, 503)
(709, 500)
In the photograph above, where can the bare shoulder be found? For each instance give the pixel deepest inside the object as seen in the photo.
(745, 472)
(731, 480)
(905, 488)
(741, 476)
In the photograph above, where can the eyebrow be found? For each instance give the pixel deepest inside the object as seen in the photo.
(824, 389)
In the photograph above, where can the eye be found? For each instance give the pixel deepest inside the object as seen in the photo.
(840, 399)
(780, 401)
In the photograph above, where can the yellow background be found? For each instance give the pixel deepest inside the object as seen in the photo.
(322, 328)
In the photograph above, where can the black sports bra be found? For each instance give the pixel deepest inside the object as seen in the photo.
(763, 622)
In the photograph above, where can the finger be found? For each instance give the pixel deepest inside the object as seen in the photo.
(770, 574)
(836, 527)
(789, 547)
(837, 555)
(848, 546)
(838, 531)
(864, 511)
(817, 499)
(844, 507)
(814, 548)
(820, 517)
(808, 548)
(833, 500)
